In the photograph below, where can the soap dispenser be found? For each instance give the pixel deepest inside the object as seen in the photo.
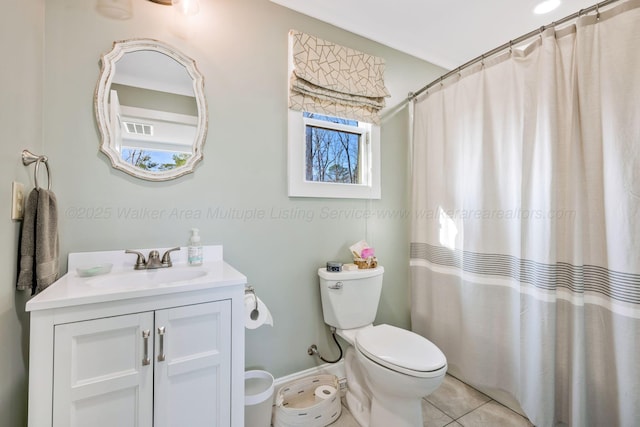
(194, 253)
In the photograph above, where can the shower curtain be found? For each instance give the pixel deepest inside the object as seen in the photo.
(525, 235)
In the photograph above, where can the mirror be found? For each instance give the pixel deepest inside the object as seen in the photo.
(151, 110)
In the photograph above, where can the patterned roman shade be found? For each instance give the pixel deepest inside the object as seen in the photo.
(335, 80)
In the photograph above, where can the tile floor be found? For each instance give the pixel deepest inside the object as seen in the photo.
(455, 404)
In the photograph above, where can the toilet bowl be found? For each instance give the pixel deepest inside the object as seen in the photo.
(400, 367)
(389, 369)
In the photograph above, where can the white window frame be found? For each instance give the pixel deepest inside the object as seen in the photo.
(369, 188)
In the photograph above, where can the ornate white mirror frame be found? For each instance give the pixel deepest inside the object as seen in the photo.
(191, 130)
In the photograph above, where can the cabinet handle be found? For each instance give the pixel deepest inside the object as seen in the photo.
(161, 351)
(145, 337)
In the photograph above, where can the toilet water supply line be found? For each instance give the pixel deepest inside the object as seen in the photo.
(313, 349)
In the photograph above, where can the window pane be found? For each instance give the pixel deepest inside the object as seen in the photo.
(154, 160)
(330, 119)
(332, 155)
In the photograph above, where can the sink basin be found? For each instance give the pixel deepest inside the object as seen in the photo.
(160, 276)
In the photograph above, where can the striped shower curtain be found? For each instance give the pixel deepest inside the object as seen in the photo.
(525, 253)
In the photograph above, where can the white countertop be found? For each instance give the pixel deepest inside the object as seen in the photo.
(123, 282)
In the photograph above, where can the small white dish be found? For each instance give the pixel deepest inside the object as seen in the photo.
(94, 270)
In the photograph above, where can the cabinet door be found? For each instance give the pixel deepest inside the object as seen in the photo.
(100, 378)
(193, 366)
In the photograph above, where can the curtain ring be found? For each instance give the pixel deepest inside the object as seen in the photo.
(510, 47)
(597, 11)
(35, 173)
(482, 61)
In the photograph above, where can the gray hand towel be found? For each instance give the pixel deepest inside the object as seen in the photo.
(39, 246)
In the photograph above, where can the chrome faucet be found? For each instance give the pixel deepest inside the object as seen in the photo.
(154, 259)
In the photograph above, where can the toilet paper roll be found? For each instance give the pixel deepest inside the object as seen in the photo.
(263, 317)
(325, 392)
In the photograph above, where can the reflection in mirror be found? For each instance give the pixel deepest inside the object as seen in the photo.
(151, 110)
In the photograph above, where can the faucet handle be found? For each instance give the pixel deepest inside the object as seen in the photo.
(166, 258)
(141, 263)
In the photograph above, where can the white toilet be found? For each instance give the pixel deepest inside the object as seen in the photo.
(389, 370)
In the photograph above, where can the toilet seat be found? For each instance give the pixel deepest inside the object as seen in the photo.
(400, 350)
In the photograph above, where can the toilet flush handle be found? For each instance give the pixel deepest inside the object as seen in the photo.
(337, 285)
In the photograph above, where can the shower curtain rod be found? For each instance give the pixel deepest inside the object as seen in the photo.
(509, 45)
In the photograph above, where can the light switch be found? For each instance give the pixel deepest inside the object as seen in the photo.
(17, 204)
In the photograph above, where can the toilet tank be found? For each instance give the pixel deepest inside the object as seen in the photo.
(350, 298)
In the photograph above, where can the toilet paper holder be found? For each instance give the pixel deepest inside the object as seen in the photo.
(251, 290)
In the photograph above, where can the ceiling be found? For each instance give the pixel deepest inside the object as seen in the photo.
(153, 70)
(447, 33)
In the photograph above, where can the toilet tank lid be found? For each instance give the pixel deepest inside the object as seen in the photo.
(361, 273)
(392, 346)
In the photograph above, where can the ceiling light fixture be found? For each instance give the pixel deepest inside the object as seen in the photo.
(185, 7)
(546, 6)
(116, 9)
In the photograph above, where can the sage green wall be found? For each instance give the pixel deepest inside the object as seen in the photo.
(21, 35)
(241, 48)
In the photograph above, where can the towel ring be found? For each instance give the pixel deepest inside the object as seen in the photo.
(28, 158)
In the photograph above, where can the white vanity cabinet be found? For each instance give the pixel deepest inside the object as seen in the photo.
(172, 366)
(167, 355)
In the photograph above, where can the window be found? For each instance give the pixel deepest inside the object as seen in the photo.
(333, 157)
(335, 97)
(155, 161)
(333, 149)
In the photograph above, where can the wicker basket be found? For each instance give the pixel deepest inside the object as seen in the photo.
(371, 262)
(297, 404)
